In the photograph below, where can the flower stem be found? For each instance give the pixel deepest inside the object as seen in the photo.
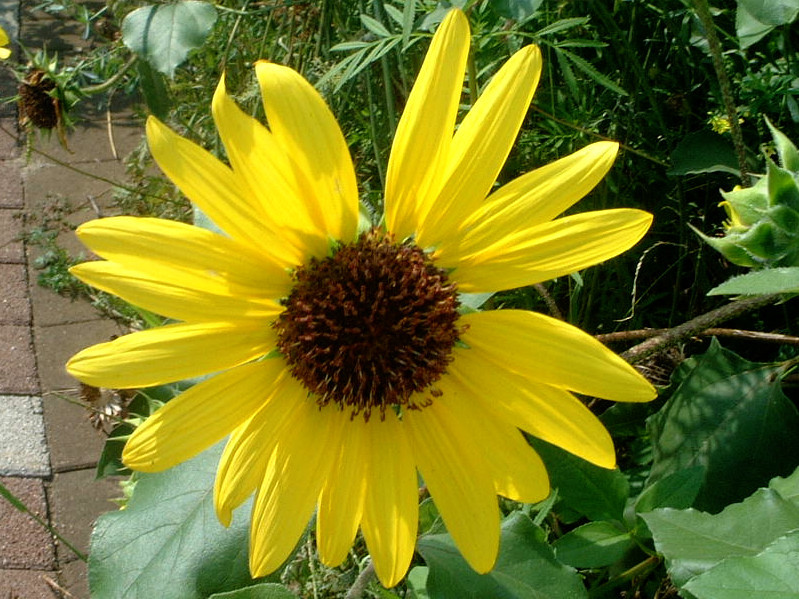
(364, 578)
(703, 12)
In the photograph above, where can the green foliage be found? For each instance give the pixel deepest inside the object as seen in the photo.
(167, 542)
(696, 543)
(768, 280)
(526, 567)
(715, 419)
(164, 34)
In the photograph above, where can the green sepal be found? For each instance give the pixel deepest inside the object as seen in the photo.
(789, 155)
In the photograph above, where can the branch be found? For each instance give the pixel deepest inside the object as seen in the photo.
(696, 325)
(713, 332)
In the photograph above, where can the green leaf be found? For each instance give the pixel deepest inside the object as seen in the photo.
(758, 282)
(597, 493)
(526, 567)
(693, 542)
(269, 590)
(165, 34)
(417, 582)
(168, 543)
(703, 152)
(153, 88)
(772, 12)
(748, 29)
(786, 150)
(375, 26)
(677, 490)
(773, 573)
(517, 10)
(589, 70)
(593, 545)
(788, 487)
(730, 417)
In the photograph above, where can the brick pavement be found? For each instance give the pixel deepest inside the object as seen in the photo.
(48, 449)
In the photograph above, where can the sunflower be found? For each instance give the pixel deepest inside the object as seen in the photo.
(342, 359)
(4, 41)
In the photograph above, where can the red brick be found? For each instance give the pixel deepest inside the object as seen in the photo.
(24, 543)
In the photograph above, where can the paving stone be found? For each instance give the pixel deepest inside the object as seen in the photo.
(75, 579)
(23, 446)
(22, 584)
(14, 304)
(56, 344)
(9, 143)
(94, 140)
(73, 442)
(24, 543)
(11, 248)
(76, 501)
(18, 365)
(52, 309)
(54, 188)
(10, 181)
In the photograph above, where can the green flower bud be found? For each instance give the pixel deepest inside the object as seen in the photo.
(762, 230)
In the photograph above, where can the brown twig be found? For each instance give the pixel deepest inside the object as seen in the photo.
(695, 326)
(621, 336)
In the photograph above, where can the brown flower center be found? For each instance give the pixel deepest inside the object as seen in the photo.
(370, 327)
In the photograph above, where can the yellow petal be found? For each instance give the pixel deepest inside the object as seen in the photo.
(540, 195)
(455, 470)
(3, 37)
(179, 296)
(199, 417)
(162, 247)
(210, 184)
(481, 145)
(342, 498)
(4, 52)
(294, 476)
(171, 353)
(243, 463)
(304, 127)
(518, 472)
(391, 513)
(267, 171)
(424, 133)
(546, 412)
(546, 251)
(555, 353)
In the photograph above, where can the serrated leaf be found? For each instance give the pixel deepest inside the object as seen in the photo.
(269, 590)
(597, 493)
(164, 34)
(772, 573)
(703, 152)
(593, 545)
(561, 25)
(694, 541)
(589, 70)
(730, 417)
(759, 282)
(787, 486)
(168, 543)
(375, 26)
(526, 567)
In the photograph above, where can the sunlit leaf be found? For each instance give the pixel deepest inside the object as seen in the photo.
(759, 282)
(693, 541)
(772, 573)
(269, 590)
(526, 567)
(164, 34)
(167, 542)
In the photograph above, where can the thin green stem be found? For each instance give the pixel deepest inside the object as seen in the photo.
(17, 503)
(111, 81)
(637, 570)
